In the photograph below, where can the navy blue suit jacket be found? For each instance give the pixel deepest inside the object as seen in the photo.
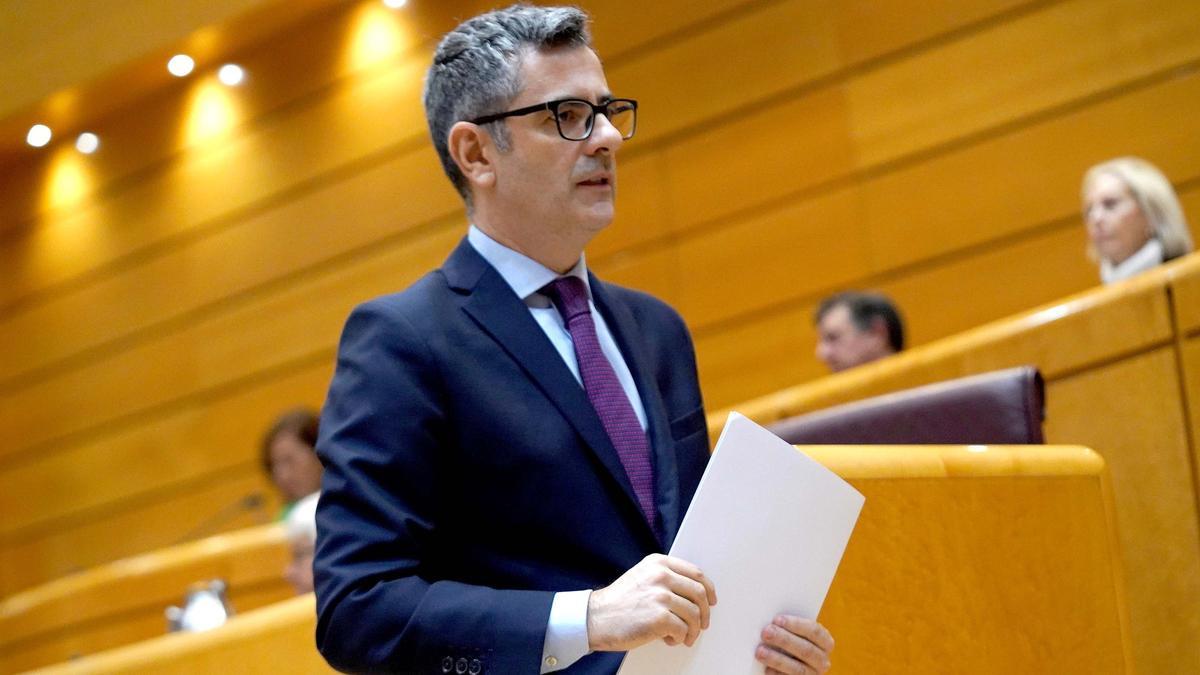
(468, 477)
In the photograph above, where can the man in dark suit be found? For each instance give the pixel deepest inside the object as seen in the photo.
(510, 432)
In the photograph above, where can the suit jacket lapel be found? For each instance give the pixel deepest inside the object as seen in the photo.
(624, 329)
(502, 315)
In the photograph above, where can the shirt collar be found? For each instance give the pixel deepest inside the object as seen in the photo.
(1148, 256)
(523, 274)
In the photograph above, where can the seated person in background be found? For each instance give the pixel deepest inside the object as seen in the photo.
(301, 528)
(1134, 220)
(854, 328)
(289, 458)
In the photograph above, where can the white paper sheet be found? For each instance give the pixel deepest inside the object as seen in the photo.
(768, 525)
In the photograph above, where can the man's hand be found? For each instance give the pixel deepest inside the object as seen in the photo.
(660, 597)
(794, 646)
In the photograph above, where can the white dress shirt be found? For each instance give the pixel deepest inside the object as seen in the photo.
(566, 633)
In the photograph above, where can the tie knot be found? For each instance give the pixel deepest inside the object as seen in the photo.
(569, 295)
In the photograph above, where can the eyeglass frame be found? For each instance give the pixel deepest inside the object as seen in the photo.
(552, 106)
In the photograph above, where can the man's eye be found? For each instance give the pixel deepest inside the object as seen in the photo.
(568, 115)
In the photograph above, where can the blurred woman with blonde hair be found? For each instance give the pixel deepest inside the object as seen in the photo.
(1134, 220)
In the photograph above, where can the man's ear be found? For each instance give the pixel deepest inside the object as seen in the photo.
(471, 149)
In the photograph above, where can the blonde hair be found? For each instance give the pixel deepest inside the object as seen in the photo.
(1154, 196)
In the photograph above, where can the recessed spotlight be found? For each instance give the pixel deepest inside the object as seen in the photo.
(231, 74)
(38, 136)
(181, 65)
(395, 4)
(87, 143)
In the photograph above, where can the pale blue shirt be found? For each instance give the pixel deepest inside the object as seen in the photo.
(566, 633)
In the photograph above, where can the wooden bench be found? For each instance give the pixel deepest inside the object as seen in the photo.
(978, 559)
(274, 639)
(123, 602)
(965, 560)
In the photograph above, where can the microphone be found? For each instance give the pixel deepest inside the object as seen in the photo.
(250, 503)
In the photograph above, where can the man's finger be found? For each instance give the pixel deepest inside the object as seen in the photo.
(793, 650)
(693, 572)
(807, 629)
(693, 592)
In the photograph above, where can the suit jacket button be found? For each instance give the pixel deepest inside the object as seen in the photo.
(475, 668)
(461, 667)
(448, 664)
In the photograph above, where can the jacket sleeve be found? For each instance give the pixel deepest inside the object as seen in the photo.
(382, 604)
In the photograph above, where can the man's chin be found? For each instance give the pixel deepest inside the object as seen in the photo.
(598, 216)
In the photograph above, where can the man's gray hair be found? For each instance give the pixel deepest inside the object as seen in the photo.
(476, 67)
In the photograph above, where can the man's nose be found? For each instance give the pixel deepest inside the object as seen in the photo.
(604, 136)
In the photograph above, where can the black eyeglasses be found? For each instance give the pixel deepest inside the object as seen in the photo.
(575, 117)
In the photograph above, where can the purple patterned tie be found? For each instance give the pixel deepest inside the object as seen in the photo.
(604, 390)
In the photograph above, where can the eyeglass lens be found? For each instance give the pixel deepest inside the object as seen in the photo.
(575, 118)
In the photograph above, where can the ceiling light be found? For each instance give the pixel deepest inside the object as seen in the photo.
(231, 74)
(395, 4)
(87, 143)
(38, 136)
(180, 65)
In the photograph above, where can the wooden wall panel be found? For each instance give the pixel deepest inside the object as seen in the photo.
(792, 252)
(746, 161)
(951, 572)
(942, 300)
(694, 80)
(1027, 177)
(78, 641)
(872, 28)
(305, 318)
(197, 509)
(759, 354)
(156, 457)
(1074, 334)
(1185, 288)
(1189, 367)
(769, 351)
(227, 180)
(938, 95)
(376, 204)
(1130, 413)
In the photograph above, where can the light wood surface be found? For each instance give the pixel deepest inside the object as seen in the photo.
(1131, 413)
(278, 638)
(1185, 295)
(998, 561)
(103, 535)
(123, 602)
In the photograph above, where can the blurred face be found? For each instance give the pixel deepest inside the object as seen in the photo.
(1115, 223)
(545, 184)
(299, 572)
(841, 345)
(295, 469)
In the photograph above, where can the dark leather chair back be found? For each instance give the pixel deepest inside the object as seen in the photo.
(1004, 407)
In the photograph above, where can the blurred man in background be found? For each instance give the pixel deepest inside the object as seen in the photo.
(854, 328)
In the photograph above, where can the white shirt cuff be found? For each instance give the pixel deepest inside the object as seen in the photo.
(566, 632)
